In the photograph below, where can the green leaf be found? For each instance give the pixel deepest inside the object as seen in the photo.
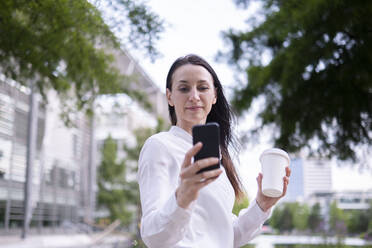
(317, 85)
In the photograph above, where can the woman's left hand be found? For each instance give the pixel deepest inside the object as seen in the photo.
(266, 202)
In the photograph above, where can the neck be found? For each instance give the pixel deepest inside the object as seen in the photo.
(187, 128)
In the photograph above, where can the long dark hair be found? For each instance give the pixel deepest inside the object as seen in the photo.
(220, 113)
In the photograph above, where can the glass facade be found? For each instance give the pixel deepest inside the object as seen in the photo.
(61, 158)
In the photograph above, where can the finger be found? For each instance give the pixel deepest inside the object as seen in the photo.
(191, 153)
(207, 175)
(259, 181)
(288, 171)
(206, 182)
(285, 185)
(286, 180)
(201, 164)
(191, 171)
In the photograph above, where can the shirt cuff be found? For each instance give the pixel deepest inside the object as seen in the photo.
(261, 215)
(175, 213)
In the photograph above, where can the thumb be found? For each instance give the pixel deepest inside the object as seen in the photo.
(190, 154)
(259, 181)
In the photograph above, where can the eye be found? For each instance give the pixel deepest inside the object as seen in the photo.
(183, 89)
(203, 88)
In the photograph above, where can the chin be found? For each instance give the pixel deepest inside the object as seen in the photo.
(198, 122)
(196, 119)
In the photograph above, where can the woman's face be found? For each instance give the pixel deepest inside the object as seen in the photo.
(192, 95)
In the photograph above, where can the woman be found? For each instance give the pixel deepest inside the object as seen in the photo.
(183, 208)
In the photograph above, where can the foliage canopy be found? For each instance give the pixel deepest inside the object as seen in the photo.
(63, 45)
(116, 192)
(317, 84)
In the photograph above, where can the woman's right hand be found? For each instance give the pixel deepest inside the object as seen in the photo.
(191, 182)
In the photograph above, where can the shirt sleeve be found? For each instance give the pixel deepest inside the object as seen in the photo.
(163, 221)
(249, 223)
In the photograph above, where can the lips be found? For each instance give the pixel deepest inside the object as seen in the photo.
(194, 108)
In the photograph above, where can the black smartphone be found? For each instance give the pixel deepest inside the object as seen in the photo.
(209, 135)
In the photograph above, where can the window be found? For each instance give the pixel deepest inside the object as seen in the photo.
(75, 145)
(20, 123)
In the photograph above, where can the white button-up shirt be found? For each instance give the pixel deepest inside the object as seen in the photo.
(209, 221)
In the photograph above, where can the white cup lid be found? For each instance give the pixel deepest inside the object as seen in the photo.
(276, 151)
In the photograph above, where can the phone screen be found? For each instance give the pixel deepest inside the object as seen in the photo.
(209, 135)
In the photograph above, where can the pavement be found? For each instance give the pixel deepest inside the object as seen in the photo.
(63, 241)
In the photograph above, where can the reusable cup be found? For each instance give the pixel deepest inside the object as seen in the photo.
(273, 163)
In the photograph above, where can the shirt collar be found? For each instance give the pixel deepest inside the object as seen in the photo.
(179, 132)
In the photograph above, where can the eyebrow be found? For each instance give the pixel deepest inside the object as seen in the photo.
(186, 82)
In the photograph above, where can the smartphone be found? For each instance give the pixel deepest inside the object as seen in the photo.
(209, 135)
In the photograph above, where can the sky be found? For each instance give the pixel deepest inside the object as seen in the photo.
(194, 26)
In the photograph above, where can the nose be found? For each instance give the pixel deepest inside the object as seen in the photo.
(194, 94)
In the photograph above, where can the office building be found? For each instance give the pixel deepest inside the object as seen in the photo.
(63, 187)
(308, 176)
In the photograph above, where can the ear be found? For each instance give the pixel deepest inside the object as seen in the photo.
(215, 95)
(169, 98)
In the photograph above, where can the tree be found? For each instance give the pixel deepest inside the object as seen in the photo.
(300, 216)
(132, 156)
(118, 194)
(358, 221)
(315, 219)
(282, 218)
(240, 204)
(63, 45)
(368, 234)
(287, 219)
(133, 23)
(274, 220)
(317, 84)
(115, 193)
(337, 219)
